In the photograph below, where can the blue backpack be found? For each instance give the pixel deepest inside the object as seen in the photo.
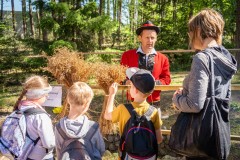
(75, 148)
(15, 143)
(138, 140)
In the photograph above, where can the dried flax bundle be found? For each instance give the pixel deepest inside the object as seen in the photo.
(106, 74)
(68, 67)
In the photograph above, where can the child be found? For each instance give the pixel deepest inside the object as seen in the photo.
(142, 85)
(36, 89)
(77, 126)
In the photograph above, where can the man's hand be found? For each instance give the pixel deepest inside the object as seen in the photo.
(158, 82)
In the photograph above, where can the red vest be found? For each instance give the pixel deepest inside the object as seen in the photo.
(160, 71)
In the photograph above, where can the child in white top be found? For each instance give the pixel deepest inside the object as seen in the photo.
(35, 90)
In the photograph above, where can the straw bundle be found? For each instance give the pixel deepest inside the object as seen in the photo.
(68, 67)
(106, 74)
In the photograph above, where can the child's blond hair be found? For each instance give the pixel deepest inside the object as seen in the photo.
(33, 82)
(79, 94)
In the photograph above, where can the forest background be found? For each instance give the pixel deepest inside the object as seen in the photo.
(106, 27)
(102, 30)
(91, 25)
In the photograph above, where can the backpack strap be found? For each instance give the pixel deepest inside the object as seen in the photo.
(61, 132)
(130, 108)
(92, 130)
(32, 111)
(149, 112)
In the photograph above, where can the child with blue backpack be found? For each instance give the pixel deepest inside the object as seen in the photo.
(139, 122)
(77, 137)
(28, 133)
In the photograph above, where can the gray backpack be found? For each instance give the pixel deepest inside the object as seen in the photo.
(15, 142)
(75, 148)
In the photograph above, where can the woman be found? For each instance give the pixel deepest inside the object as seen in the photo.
(205, 34)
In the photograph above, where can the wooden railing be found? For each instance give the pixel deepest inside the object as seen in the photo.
(163, 87)
(162, 51)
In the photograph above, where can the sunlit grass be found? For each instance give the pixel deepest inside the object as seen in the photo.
(236, 78)
(177, 77)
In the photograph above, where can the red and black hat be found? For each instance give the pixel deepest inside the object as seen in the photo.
(147, 25)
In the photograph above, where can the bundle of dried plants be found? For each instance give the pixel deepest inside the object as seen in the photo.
(105, 75)
(68, 67)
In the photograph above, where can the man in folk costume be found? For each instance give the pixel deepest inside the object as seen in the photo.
(146, 57)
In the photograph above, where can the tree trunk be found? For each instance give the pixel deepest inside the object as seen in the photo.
(31, 19)
(1, 10)
(108, 8)
(24, 18)
(39, 28)
(174, 13)
(44, 31)
(190, 9)
(119, 16)
(114, 10)
(54, 18)
(13, 16)
(135, 19)
(162, 10)
(238, 32)
(131, 14)
(100, 33)
(78, 5)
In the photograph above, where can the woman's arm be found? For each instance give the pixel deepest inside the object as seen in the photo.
(196, 86)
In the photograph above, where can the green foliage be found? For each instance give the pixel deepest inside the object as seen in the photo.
(235, 106)
(90, 10)
(61, 8)
(6, 34)
(61, 44)
(31, 63)
(3, 28)
(127, 38)
(81, 27)
(109, 58)
(48, 23)
(102, 23)
(74, 19)
(180, 61)
(85, 42)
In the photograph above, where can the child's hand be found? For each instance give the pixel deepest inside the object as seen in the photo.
(113, 88)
